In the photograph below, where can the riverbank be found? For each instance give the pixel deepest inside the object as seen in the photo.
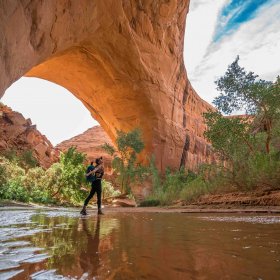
(257, 201)
(259, 197)
(170, 209)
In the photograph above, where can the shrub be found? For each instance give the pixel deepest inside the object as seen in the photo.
(129, 145)
(108, 190)
(168, 189)
(67, 176)
(15, 191)
(149, 202)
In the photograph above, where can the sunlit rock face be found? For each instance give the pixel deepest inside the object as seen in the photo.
(19, 135)
(122, 58)
(90, 143)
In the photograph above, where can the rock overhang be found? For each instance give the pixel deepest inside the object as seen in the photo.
(123, 59)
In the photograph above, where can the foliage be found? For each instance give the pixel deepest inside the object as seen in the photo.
(67, 176)
(242, 91)
(28, 160)
(15, 191)
(11, 155)
(229, 136)
(108, 190)
(60, 183)
(128, 146)
(149, 202)
(11, 186)
(24, 159)
(35, 182)
(168, 189)
(248, 143)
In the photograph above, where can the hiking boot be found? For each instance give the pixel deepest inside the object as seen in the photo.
(83, 212)
(100, 212)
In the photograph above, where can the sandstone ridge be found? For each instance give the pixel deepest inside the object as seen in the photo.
(19, 135)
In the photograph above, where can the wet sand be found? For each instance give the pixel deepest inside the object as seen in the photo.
(170, 209)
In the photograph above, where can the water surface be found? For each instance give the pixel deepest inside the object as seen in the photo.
(59, 244)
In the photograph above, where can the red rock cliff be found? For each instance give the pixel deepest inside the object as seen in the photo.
(18, 134)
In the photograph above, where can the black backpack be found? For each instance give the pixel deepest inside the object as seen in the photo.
(90, 178)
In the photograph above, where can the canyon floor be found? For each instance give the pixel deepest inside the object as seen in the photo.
(260, 201)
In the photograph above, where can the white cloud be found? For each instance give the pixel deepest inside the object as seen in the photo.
(200, 27)
(256, 41)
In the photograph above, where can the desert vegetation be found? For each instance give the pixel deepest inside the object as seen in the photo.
(247, 146)
(128, 146)
(64, 183)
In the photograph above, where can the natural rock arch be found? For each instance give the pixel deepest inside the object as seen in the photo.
(122, 58)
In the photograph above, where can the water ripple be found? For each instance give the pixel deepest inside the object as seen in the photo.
(254, 219)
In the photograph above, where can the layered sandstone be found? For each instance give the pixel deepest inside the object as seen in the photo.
(122, 58)
(19, 135)
(90, 143)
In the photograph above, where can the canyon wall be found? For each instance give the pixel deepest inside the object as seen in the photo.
(122, 58)
(19, 135)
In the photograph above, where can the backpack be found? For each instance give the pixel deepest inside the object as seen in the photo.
(90, 178)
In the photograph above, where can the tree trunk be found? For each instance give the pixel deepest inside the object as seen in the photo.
(268, 138)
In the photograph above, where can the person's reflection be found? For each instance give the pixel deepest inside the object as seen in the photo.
(89, 258)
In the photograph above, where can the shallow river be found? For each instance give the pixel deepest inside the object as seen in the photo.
(59, 244)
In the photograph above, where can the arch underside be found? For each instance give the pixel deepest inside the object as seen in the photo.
(115, 102)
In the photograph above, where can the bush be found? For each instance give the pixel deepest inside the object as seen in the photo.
(60, 183)
(259, 170)
(197, 188)
(67, 177)
(149, 202)
(128, 146)
(167, 190)
(27, 159)
(15, 191)
(108, 190)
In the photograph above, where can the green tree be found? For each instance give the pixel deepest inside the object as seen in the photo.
(128, 146)
(229, 135)
(67, 176)
(12, 176)
(247, 142)
(27, 159)
(243, 91)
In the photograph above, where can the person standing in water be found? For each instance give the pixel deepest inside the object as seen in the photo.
(95, 175)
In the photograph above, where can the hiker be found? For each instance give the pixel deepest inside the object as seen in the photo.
(94, 175)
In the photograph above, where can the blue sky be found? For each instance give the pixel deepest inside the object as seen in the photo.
(235, 13)
(216, 32)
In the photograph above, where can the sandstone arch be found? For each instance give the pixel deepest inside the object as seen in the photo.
(122, 58)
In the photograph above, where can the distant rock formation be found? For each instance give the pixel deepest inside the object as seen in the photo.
(18, 134)
(90, 143)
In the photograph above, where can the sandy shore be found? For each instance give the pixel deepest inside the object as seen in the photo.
(172, 209)
(258, 201)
